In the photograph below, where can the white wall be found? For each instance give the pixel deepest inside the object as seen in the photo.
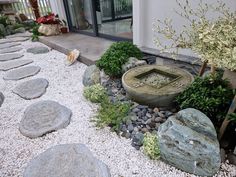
(145, 12)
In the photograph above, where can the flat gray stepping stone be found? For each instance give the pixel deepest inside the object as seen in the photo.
(10, 50)
(7, 65)
(22, 73)
(31, 89)
(14, 39)
(26, 34)
(12, 56)
(67, 160)
(1, 98)
(44, 117)
(38, 50)
(8, 45)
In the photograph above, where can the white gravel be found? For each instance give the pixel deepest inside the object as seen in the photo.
(65, 86)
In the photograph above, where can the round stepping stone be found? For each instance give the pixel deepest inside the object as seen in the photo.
(12, 56)
(31, 89)
(7, 65)
(1, 98)
(8, 45)
(38, 50)
(22, 73)
(44, 117)
(67, 160)
(10, 50)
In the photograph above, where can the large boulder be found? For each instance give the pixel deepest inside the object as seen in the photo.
(91, 76)
(189, 142)
(68, 160)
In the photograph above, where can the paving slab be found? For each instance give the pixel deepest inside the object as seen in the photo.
(12, 56)
(38, 50)
(7, 45)
(10, 50)
(7, 65)
(44, 117)
(21, 73)
(31, 89)
(67, 160)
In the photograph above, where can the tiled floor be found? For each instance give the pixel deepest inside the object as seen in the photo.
(91, 48)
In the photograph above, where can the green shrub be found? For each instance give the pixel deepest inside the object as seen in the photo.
(212, 95)
(150, 146)
(118, 54)
(95, 93)
(18, 25)
(4, 20)
(35, 33)
(112, 114)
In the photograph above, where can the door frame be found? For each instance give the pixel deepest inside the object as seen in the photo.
(95, 32)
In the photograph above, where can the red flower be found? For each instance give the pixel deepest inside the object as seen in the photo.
(49, 19)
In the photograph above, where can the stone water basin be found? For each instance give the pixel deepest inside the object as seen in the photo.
(156, 85)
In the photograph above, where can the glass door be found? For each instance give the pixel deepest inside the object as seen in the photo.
(115, 18)
(80, 13)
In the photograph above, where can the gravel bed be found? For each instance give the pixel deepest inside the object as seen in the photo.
(65, 86)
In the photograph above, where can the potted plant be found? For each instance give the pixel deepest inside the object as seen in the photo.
(64, 28)
(212, 40)
(49, 25)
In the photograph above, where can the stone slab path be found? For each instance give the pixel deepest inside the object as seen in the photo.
(5, 66)
(66, 90)
(8, 45)
(38, 50)
(67, 160)
(11, 56)
(31, 89)
(10, 50)
(21, 73)
(44, 117)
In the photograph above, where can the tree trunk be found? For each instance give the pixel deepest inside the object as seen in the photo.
(35, 8)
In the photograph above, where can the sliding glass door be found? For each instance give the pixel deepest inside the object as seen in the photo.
(105, 18)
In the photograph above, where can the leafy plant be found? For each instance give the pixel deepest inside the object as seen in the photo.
(150, 146)
(95, 93)
(112, 114)
(4, 20)
(117, 55)
(18, 25)
(212, 95)
(35, 33)
(232, 117)
(213, 40)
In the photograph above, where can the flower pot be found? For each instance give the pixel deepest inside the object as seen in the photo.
(231, 76)
(49, 29)
(64, 29)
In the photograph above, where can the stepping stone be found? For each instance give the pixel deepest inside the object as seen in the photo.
(66, 160)
(38, 50)
(8, 45)
(44, 117)
(31, 89)
(12, 56)
(26, 34)
(14, 39)
(10, 50)
(22, 73)
(5, 66)
(1, 98)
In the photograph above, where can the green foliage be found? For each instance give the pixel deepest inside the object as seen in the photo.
(232, 117)
(18, 25)
(212, 95)
(150, 146)
(35, 33)
(95, 93)
(4, 20)
(112, 114)
(117, 55)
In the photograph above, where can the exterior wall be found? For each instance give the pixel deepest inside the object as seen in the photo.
(145, 12)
